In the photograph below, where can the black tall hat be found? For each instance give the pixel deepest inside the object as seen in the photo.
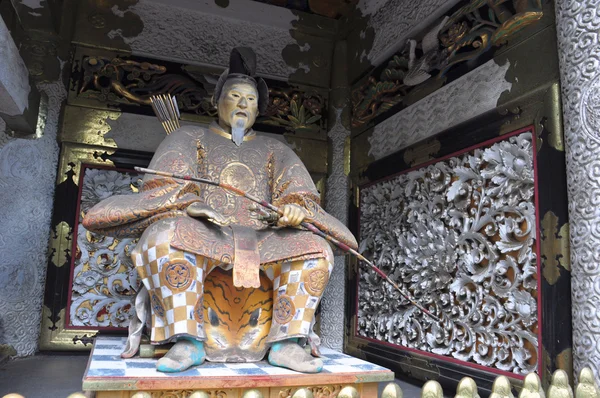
(242, 65)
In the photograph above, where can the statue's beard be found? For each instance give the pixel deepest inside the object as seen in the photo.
(238, 131)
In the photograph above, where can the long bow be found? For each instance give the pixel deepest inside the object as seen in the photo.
(345, 248)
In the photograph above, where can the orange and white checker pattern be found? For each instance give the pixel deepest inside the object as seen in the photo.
(174, 280)
(175, 283)
(298, 287)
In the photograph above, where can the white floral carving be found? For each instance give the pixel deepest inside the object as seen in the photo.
(104, 279)
(336, 204)
(578, 27)
(459, 235)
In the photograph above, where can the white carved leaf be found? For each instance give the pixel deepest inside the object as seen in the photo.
(104, 278)
(459, 235)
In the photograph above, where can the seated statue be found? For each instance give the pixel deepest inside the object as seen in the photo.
(188, 229)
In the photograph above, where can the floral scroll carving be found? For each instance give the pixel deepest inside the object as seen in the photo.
(119, 82)
(104, 279)
(460, 235)
(463, 36)
(295, 110)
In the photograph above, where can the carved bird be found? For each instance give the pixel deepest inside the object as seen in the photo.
(587, 387)
(467, 388)
(559, 387)
(418, 70)
(532, 387)
(501, 388)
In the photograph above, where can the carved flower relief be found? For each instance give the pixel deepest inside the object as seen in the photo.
(509, 168)
(430, 253)
(104, 279)
(100, 184)
(278, 106)
(85, 281)
(313, 104)
(459, 236)
(454, 34)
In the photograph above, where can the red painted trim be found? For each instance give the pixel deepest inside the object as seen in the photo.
(445, 358)
(68, 325)
(489, 142)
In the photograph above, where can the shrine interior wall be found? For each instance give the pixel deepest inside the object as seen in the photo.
(27, 180)
(104, 133)
(403, 135)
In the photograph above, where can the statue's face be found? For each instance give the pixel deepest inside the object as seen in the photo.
(238, 105)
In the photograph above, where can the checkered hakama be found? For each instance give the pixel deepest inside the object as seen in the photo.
(175, 283)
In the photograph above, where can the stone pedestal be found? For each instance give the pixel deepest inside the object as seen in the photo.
(578, 27)
(110, 376)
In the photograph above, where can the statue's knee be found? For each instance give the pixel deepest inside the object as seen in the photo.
(316, 278)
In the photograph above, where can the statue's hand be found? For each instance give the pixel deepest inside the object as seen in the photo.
(292, 216)
(200, 210)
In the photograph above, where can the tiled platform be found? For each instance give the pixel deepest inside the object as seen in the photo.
(108, 371)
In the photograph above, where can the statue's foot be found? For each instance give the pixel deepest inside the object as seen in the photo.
(184, 354)
(288, 354)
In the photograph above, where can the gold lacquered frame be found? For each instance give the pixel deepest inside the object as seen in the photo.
(54, 336)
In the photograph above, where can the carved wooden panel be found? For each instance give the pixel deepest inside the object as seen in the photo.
(115, 81)
(476, 229)
(103, 279)
(87, 287)
(459, 42)
(460, 235)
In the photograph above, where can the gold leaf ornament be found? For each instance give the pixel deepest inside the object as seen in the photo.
(555, 247)
(59, 246)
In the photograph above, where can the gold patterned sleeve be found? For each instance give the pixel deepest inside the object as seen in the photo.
(292, 183)
(160, 197)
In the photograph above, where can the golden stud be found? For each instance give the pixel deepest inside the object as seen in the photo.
(501, 388)
(252, 394)
(467, 388)
(432, 389)
(532, 387)
(392, 390)
(199, 394)
(303, 393)
(587, 387)
(348, 392)
(559, 387)
(141, 394)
